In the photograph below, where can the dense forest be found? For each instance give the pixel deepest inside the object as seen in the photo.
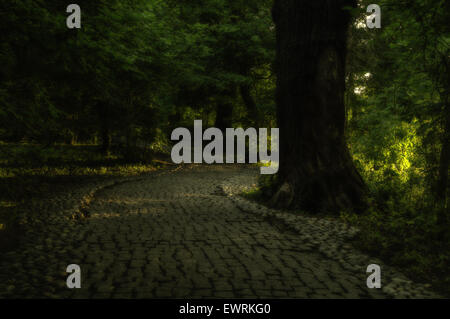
(364, 113)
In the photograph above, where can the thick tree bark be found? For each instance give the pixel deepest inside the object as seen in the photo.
(316, 170)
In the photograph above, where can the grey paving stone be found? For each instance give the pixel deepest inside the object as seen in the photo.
(169, 234)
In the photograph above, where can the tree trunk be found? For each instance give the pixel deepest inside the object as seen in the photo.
(104, 128)
(224, 115)
(316, 171)
(224, 109)
(106, 138)
(250, 105)
(444, 162)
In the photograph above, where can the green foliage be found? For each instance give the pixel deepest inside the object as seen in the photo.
(133, 66)
(396, 90)
(396, 103)
(139, 68)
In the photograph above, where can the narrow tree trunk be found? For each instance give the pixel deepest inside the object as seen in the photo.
(316, 169)
(104, 128)
(250, 105)
(106, 138)
(224, 109)
(175, 118)
(224, 115)
(444, 163)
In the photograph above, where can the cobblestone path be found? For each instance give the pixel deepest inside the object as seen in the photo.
(186, 234)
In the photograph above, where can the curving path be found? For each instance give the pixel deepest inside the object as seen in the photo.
(185, 234)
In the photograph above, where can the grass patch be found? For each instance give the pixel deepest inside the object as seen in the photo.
(254, 195)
